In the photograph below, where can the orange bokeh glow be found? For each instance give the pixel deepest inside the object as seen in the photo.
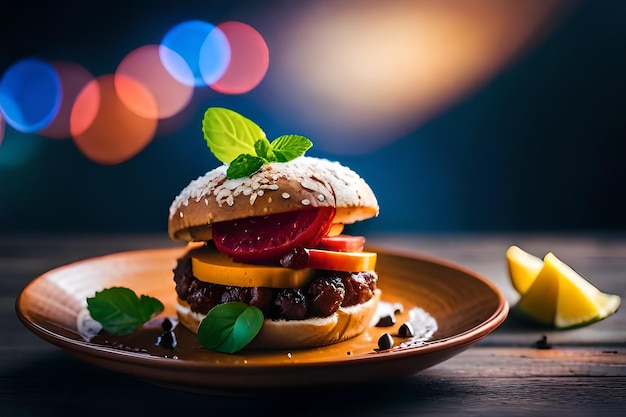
(144, 66)
(73, 78)
(104, 129)
(85, 108)
(370, 72)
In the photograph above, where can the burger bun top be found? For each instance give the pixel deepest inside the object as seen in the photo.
(304, 182)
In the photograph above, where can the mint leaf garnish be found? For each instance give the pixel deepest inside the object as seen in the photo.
(263, 148)
(239, 142)
(244, 165)
(120, 311)
(229, 134)
(230, 327)
(288, 147)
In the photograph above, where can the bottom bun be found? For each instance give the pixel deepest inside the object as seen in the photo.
(344, 324)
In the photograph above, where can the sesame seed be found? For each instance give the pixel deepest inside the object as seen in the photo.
(308, 171)
(306, 202)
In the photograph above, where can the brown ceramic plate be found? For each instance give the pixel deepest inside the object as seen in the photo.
(466, 307)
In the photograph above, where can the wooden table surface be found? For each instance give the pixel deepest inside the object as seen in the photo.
(583, 373)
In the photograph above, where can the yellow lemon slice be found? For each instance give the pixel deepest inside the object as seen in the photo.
(538, 303)
(523, 268)
(579, 301)
(560, 297)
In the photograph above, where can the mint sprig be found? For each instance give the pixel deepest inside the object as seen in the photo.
(289, 147)
(244, 165)
(230, 327)
(241, 143)
(120, 311)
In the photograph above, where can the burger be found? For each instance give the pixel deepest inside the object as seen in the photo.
(272, 237)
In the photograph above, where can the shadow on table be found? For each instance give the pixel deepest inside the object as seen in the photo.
(59, 383)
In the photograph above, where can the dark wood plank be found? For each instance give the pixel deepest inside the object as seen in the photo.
(583, 373)
(489, 362)
(601, 259)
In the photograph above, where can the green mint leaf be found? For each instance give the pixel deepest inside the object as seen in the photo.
(229, 134)
(239, 142)
(120, 311)
(289, 147)
(243, 166)
(263, 149)
(230, 327)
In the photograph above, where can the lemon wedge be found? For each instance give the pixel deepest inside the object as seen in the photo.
(523, 268)
(556, 295)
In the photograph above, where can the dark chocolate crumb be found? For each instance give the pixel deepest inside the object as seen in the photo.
(406, 330)
(386, 321)
(166, 325)
(385, 341)
(543, 343)
(167, 339)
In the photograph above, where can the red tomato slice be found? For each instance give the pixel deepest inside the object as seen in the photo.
(341, 261)
(342, 243)
(266, 239)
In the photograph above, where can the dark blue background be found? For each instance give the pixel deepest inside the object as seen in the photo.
(540, 147)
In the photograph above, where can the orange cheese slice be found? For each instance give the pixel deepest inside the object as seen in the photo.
(213, 266)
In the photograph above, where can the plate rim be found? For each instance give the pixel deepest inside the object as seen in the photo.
(460, 341)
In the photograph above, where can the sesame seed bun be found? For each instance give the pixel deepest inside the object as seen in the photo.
(276, 188)
(344, 324)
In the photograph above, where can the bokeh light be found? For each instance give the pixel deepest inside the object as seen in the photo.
(73, 78)
(204, 51)
(85, 108)
(376, 72)
(145, 66)
(156, 88)
(30, 95)
(115, 133)
(215, 56)
(249, 59)
(1, 128)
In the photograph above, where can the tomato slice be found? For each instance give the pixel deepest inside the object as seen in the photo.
(342, 243)
(266, 239)
(341, 261)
